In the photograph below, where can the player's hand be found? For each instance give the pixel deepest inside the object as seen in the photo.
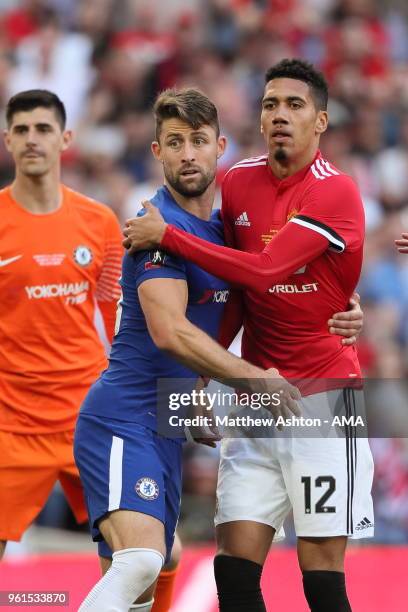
(402, 243)
(208, 434)
(348, 324)
(279, 387)
(145, 232)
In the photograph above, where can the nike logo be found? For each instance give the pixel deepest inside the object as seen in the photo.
(6, 262)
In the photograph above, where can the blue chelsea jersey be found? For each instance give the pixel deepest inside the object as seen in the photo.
(126, 390)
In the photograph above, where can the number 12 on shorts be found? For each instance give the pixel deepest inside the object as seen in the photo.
(320, 481)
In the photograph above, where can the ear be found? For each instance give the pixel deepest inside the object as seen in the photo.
(322, 121)
(67, 137)
(6, 137)
(221, 145)
(156, 150)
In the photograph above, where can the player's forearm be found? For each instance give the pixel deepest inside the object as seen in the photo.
(281, 258)
(196, 350)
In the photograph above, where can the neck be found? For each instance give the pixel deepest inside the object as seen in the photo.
(200, 206)
(284, 168)
(37, 194)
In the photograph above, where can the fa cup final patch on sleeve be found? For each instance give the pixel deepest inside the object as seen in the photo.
(156, 259)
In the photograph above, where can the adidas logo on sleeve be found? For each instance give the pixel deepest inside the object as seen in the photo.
(243, 220)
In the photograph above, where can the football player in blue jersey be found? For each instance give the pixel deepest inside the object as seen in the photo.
(168, 315)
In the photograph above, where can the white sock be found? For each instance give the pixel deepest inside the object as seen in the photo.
(132, 571)
(144, 607)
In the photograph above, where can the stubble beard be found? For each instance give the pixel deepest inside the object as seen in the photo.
(193, 191)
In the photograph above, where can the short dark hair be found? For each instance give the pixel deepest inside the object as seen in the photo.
(189, 105)
(302, 71)
(33, 98)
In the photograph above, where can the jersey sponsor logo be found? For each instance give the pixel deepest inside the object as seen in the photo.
(243, 220)
(147, 488)
(83, 255)
(68, 290)
(364, 524)
(6, 262)
(219, 296)
(308, 288)
(49, 259)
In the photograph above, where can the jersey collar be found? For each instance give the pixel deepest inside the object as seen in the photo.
(294, 178)
(24, 211)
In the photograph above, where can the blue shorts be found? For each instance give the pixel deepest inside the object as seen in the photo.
(129, 467)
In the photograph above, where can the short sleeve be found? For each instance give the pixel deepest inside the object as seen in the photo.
(158, 264)
(333, 208)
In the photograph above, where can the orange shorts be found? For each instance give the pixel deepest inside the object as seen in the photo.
(30, 465)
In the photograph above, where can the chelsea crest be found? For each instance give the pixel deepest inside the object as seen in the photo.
(83, 255)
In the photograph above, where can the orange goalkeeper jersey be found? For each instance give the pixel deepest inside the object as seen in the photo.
(53, 268)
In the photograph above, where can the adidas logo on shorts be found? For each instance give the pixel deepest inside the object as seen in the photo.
(243, 220)
(364, 524)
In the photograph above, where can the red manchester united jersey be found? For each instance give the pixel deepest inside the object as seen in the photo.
(302, 239)
(286, 327)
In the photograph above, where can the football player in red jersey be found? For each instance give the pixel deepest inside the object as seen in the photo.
(310, 217)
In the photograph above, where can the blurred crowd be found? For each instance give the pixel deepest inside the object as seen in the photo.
(107, 59)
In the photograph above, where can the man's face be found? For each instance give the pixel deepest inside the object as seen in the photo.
(290, 122)
(189, 156)
(35, 140)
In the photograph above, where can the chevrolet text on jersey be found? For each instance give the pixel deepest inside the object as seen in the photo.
(294, 288)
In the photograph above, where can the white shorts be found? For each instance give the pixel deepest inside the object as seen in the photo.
(325, 480)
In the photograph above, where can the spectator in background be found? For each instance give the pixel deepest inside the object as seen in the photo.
(53, 59)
